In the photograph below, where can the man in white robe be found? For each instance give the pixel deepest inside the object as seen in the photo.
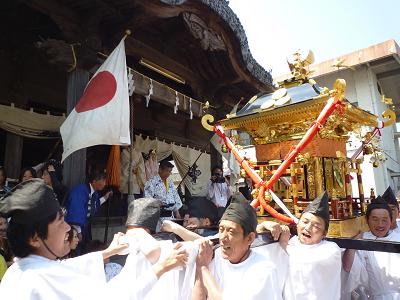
(238, 271)
(378, 273)
(143, 214)
(314, 264)
(38, 236)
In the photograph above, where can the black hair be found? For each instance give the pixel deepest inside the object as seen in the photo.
(97, 175)
(247, 231)
(378, 205)
(165, 164)
(214, 168)
(71, 233)
(19, 234)
(30, 169)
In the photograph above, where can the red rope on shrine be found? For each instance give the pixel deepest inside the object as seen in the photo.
(330, 106)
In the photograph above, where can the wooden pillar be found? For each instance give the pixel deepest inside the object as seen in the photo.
(319, 176)
(13, 155)
(75, 164)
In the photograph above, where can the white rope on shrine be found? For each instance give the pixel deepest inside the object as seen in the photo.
(283, 207)
(150, 92)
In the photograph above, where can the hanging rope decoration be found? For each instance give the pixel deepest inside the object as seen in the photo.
(131, 82)
(190, 109)
(73, 67)
(176, 102)
(150, 93)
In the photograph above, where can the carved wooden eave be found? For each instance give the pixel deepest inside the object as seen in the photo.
(222, 10)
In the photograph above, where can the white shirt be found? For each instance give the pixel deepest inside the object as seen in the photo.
(218, 193)
(314, 271)
(111, 270)
(277, 256)
(397, 229)
(38, 278)
(178, 283)
(256, 278)
(377, 272)
(102, 199)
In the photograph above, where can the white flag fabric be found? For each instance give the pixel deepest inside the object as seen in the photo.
(102, 114)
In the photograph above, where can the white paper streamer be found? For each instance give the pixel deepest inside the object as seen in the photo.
(131, 82)
(150, 92)
(176, 102)
(283, 207)
(190, 108)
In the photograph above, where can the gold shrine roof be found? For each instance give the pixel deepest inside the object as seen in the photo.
(288, 113)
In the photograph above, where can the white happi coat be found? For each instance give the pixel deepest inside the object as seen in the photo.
(378, 273)
(38, 278)
(256, 278)
(314, 271)
(155, 188)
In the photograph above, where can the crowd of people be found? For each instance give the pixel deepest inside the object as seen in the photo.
(48, 252)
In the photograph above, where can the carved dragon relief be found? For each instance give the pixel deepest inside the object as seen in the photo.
(225, 12)
(209, 39)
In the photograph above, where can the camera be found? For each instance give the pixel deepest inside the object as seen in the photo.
(217, 178)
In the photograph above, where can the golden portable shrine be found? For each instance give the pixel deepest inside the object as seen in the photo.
(300, 133)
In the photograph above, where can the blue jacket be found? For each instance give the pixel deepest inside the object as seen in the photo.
(77, 204)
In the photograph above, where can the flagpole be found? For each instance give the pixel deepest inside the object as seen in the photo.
(127, 33)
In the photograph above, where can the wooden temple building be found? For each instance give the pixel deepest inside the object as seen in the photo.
(195, 48)
(188, 52)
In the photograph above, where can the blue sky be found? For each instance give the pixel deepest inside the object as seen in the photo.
(276, 28)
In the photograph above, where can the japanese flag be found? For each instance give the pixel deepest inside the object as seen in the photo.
(102, 114)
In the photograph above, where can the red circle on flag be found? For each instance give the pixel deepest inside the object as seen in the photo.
(100, 90)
